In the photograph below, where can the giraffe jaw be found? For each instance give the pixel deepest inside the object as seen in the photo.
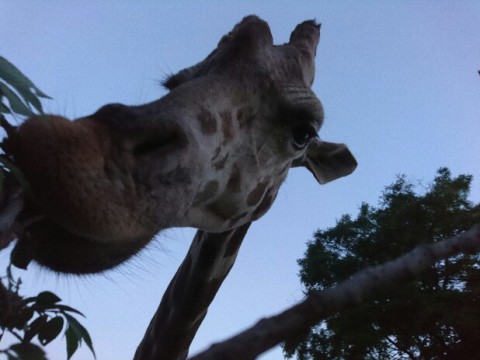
(57, 249)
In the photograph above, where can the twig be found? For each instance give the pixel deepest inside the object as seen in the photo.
(272, 331)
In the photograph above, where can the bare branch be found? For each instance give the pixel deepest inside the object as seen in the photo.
(272, 331)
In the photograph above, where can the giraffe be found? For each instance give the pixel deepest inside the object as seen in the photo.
(190, 292)
(211, 154)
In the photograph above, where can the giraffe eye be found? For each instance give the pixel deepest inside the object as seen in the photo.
(302, 134)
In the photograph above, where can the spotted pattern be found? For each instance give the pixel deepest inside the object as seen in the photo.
(235, 219)
(264, 205)
(216, 153)
(235, 181)
(220, 164)
(245, 117)
(208, 192)
(223, 208)
(227, 126)
(256, 194)
(208, 123)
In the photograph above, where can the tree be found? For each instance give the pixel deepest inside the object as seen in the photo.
(436, 316)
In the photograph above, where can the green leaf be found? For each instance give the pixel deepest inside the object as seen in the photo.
(50, 330)
(72, 342)
(47, 297)
(27, 351)
(23, 85)
(4, 108)
(64, 308)
(16, 104)
(10, 71)
(34, 328)
(22, 317)
(80, 331)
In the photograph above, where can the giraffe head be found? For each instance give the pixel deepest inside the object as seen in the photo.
(211, 154)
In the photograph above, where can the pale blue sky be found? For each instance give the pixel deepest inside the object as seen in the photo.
(398, 81)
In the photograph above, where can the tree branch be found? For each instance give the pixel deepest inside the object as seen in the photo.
(274, 330)
(400, 348)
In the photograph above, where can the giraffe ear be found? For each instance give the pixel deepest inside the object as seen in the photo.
(328, 161)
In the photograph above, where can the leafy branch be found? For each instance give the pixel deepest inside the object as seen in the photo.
(43, 316)
(22, 95)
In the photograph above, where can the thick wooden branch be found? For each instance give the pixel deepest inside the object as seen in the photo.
(274, 330)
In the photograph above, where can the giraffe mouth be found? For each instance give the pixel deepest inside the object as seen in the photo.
(54, 247)
(170, 139)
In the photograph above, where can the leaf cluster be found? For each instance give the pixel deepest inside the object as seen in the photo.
(437, 316)
(42, 317)
(22, 95)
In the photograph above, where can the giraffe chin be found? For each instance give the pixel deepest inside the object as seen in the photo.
(55, 248)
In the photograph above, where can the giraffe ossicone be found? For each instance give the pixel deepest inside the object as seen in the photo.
(211, 154)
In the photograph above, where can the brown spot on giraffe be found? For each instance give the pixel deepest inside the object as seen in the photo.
(209, 291)
(223, 208)
(256, 194)
(216, 153)
(220, 164)
(233, 245)
(227, 126)
(182, 278)
(208, 192)
(208, 123)
(245, 117)
(265, 204)
(239, 218)
(235, 180)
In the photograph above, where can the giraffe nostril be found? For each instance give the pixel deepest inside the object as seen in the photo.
(150, 146)
(169, 140)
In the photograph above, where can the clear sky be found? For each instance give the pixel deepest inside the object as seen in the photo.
(398, 81)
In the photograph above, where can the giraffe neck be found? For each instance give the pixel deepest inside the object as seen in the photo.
(189, 294)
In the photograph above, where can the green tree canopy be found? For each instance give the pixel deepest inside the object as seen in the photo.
(435, 317)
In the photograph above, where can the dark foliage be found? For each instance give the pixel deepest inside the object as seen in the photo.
(435, 317)
(42, 317)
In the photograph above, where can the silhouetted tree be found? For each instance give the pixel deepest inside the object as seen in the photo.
(437, 316)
